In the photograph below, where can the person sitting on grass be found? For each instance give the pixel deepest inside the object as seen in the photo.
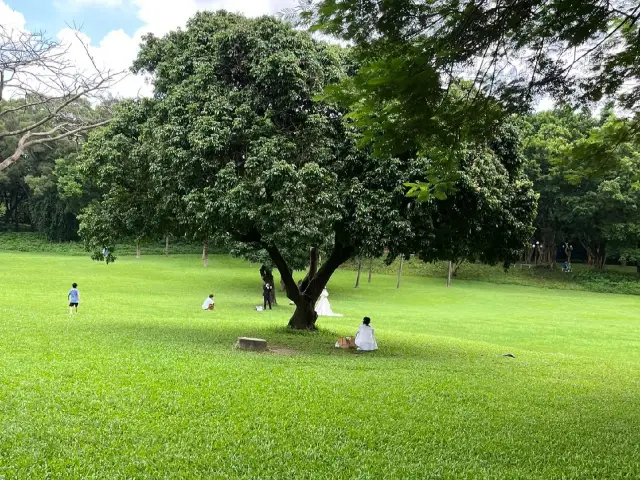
(209, 303)
(365, 339)
(74, 298)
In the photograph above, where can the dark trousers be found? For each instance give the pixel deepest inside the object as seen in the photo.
(267, 300)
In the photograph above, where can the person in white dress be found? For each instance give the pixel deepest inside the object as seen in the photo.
(365, 340)
(209, 303)
(323, 308)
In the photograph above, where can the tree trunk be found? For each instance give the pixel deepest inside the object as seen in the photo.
(370, 268)
(359, 271)
(600, 257)
(137, 249)
(307, 292)
(400, 271)
(587, 249)
(602, 250)
(449, 275)
(456, 267)
(205, 253)
(305, 316)
(166, 245)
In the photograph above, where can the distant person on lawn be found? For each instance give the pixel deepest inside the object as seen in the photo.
(266, 295)
(74, 298)
(209, 303)
(365, 340)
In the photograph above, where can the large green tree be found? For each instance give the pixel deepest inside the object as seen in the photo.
(235, 143)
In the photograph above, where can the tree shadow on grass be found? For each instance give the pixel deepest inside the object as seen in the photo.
(321, 342)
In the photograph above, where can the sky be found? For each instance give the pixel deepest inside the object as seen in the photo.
(113, 28)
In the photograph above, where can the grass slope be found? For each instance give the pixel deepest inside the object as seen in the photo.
(143, 384)
(615, 278)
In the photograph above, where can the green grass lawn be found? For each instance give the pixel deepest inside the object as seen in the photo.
(144, 384)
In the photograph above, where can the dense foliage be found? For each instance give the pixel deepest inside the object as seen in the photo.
(44, 189)
(595, 204)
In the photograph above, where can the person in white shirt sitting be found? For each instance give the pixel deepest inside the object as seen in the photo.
(365, 340)
(209, 304)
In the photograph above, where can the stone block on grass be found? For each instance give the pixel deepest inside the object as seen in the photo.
(253, 344)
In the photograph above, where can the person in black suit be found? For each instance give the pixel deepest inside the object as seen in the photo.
(266, 294)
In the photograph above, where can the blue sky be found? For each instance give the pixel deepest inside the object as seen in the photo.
(96, 19)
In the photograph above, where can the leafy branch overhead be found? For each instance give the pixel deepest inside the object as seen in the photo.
(442, 73)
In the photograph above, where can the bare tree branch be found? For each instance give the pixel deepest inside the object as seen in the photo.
(52, 113)
(44, 137)
(38, 76)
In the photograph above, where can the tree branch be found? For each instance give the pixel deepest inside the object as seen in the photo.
(285, 273)
(25, 143)
(53, 113)
(24, 106)
(339, 254)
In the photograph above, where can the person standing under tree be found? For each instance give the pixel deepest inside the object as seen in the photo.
(74, 298)
(266, 295)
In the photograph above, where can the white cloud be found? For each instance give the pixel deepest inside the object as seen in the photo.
(11, 19)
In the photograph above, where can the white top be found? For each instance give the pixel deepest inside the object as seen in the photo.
(207, 302)
(365, 339)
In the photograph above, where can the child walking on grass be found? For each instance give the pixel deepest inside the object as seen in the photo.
(74, 298)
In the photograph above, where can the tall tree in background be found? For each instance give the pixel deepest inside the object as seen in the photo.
(490, 216)
(120, 162)
(235, 134)
(549, 136)
(585, 198)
